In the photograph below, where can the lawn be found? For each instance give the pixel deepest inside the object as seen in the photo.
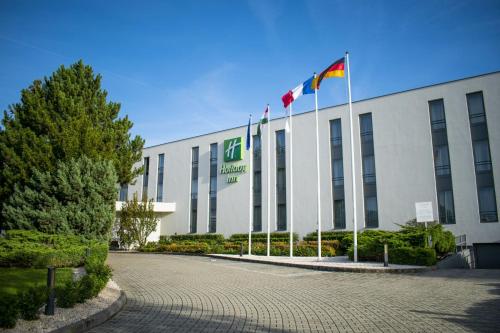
(13, 279)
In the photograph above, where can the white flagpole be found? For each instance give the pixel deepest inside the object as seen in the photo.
(318, 174)
(268, 180)
(355, 219)
(291, 181)
(250, 209)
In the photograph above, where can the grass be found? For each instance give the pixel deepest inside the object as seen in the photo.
(13, 279)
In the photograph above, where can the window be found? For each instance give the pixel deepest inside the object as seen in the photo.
(280, 180)
(371, 214)
(194, 190)
(257, 184)
(442, 169)
(123, 195)
(482, 158)
(339, 214)
(145, 179)
(212, 204)
(441, 160)
(338, 172)
(365, 123)
(476, 108)
(436, 109)
(336, 132)
(369, 171)
(159, 187)
(445, 207)
(487, 204)
(337, 163)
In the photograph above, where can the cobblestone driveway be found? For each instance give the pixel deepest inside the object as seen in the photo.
(197, 294)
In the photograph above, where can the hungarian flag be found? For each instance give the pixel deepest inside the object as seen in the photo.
(301, 89)
(263, 120)
(334, 70)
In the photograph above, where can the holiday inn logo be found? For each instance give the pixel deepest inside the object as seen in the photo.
(232, 150)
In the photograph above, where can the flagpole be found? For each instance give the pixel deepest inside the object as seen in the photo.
(250, 210)
(318, 174)
(268, 180)
(291, 181)
(355, 220)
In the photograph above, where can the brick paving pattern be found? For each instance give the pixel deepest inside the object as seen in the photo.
(197, 294)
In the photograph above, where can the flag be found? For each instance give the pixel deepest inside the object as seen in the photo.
(301, 89)
(263, 120)
(334, 70)
(248, 132)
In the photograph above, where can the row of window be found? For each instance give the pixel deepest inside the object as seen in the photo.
(145, 180)
(482, 162)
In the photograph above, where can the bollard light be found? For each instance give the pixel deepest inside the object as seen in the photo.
(51, 283)
(386, 255)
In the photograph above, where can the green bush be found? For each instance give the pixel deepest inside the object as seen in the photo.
(413, 256)
(408, 246)
(30, 301)
(207, 238)
(67, 295)
(22, 248)
(9, 311)
(344, 238)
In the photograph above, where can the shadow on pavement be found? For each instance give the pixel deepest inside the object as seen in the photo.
(483, 316)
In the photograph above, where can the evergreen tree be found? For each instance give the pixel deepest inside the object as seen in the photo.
(78, 198)
(62, 117)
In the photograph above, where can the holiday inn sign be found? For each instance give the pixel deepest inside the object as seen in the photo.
(233, 152)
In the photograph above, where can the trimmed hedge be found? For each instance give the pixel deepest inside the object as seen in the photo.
(23, 248)
(407, 246)
(192, 238)
(329, 248)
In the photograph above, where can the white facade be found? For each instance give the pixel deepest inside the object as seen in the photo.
(404, 164)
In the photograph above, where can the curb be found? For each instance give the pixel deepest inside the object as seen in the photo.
(96, 319)
(330, 268)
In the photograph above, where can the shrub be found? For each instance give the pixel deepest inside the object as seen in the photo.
(207, 238)
(30, 301)
(23, 248)
(68, 295)
(344, 238)
(413, 256)
(9, 311)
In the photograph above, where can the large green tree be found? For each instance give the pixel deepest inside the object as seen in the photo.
(77, 198)
(61, 117)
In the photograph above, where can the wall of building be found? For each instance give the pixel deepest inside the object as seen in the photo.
(403, 159)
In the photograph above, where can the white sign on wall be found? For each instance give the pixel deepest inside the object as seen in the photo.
(424, 211)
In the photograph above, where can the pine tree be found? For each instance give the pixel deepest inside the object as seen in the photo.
(78, 198)
(61, 117)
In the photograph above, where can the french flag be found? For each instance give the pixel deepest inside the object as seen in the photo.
(302, 89)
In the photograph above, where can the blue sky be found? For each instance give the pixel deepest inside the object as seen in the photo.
(184, 68)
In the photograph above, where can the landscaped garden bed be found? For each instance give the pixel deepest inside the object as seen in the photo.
(413, 244)
(24, 258)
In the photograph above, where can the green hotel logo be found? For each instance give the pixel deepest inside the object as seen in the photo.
(232, 150)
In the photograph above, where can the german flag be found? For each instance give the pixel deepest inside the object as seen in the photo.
(334, 70)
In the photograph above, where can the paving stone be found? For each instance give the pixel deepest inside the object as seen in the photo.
(198, 294)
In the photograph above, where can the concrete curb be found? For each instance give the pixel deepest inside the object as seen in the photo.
(96, 319)
(330, 268)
